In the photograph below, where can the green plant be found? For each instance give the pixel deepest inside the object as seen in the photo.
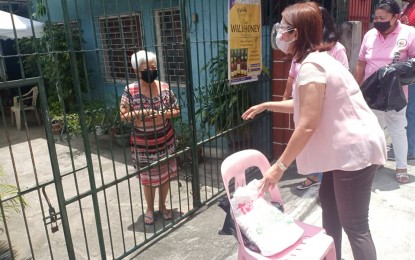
(115, 124)
(10, 205)
(55, 112)
(222, 105)
(120, 131)
(52, 53)
(99, 114)
(73, 125)
(184, 141)
(182, 133)
(40, 9)
(70, 123)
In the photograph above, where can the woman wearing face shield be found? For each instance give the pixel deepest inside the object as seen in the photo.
(337, 51)
(331, 117)
(390, 41)
(151, 105)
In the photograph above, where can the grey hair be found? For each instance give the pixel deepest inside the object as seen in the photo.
(142, 57)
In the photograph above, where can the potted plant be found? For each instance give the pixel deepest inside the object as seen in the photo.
(184, 143)
(56, 118)
(222, 105)
(99, 120)
(56, 126)
(68, 123)
(122, 134)
(120, 131)
(73, 125)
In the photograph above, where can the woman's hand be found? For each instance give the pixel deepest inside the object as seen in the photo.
(169, 113)
(143, 114)
(271, 178)
(359, 71)
(251, 112)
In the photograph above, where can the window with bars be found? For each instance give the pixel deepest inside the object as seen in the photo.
(121, 36)
(170, 42)
(74, 26)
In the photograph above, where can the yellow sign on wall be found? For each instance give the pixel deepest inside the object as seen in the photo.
(244, 46)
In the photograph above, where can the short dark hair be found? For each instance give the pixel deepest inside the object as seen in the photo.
(390, 6)
(330, 33)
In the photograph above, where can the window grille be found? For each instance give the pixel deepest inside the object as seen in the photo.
(120, 36)
(170, 37)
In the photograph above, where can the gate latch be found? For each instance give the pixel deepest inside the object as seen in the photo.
(53, 216)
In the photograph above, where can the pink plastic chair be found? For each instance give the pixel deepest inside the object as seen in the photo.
(314, 244)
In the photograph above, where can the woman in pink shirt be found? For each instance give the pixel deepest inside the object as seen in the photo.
(330, 117)
(337, 51)
(390, 41)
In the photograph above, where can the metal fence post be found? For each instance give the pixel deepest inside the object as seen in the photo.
(55, 170)
(84, 132)
(190, 99)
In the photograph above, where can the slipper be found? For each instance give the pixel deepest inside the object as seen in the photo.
(167, 214)
(402, 177)
(150, 220)
(303, 185)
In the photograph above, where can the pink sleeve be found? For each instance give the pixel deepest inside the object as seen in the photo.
(362, 51)
(125, 95)
(292, 72)
(339, 53)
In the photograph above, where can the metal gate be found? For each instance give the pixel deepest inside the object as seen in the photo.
(69, 189)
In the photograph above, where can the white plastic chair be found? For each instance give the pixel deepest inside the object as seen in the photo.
(314, 244)
(16, 109)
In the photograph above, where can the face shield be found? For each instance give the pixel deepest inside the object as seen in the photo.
(277, 30)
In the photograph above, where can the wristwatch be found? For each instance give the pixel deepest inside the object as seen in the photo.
(281, 166)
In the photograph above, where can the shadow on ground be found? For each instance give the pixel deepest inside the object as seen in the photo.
(159, 222)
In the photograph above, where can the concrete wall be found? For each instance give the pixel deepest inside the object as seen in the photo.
(351, 38)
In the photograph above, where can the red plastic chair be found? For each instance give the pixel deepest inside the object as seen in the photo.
(314, 244)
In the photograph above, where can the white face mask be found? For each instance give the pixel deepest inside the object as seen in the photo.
(281, 44)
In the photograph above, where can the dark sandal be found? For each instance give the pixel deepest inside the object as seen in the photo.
(303, 185)
(151, 220)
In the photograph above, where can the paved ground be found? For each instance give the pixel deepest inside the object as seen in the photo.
(391, 209)
(391, 217)
(198, 237)
(120, 204)
(391, 221)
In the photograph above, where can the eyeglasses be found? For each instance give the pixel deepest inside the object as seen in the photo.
(282, 28)
(279, 29)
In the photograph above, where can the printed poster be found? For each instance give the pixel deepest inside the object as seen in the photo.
(244, 43)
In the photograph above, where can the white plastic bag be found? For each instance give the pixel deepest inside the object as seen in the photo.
(266, 226)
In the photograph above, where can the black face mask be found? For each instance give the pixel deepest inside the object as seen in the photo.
(382, 26)
(149, 75)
